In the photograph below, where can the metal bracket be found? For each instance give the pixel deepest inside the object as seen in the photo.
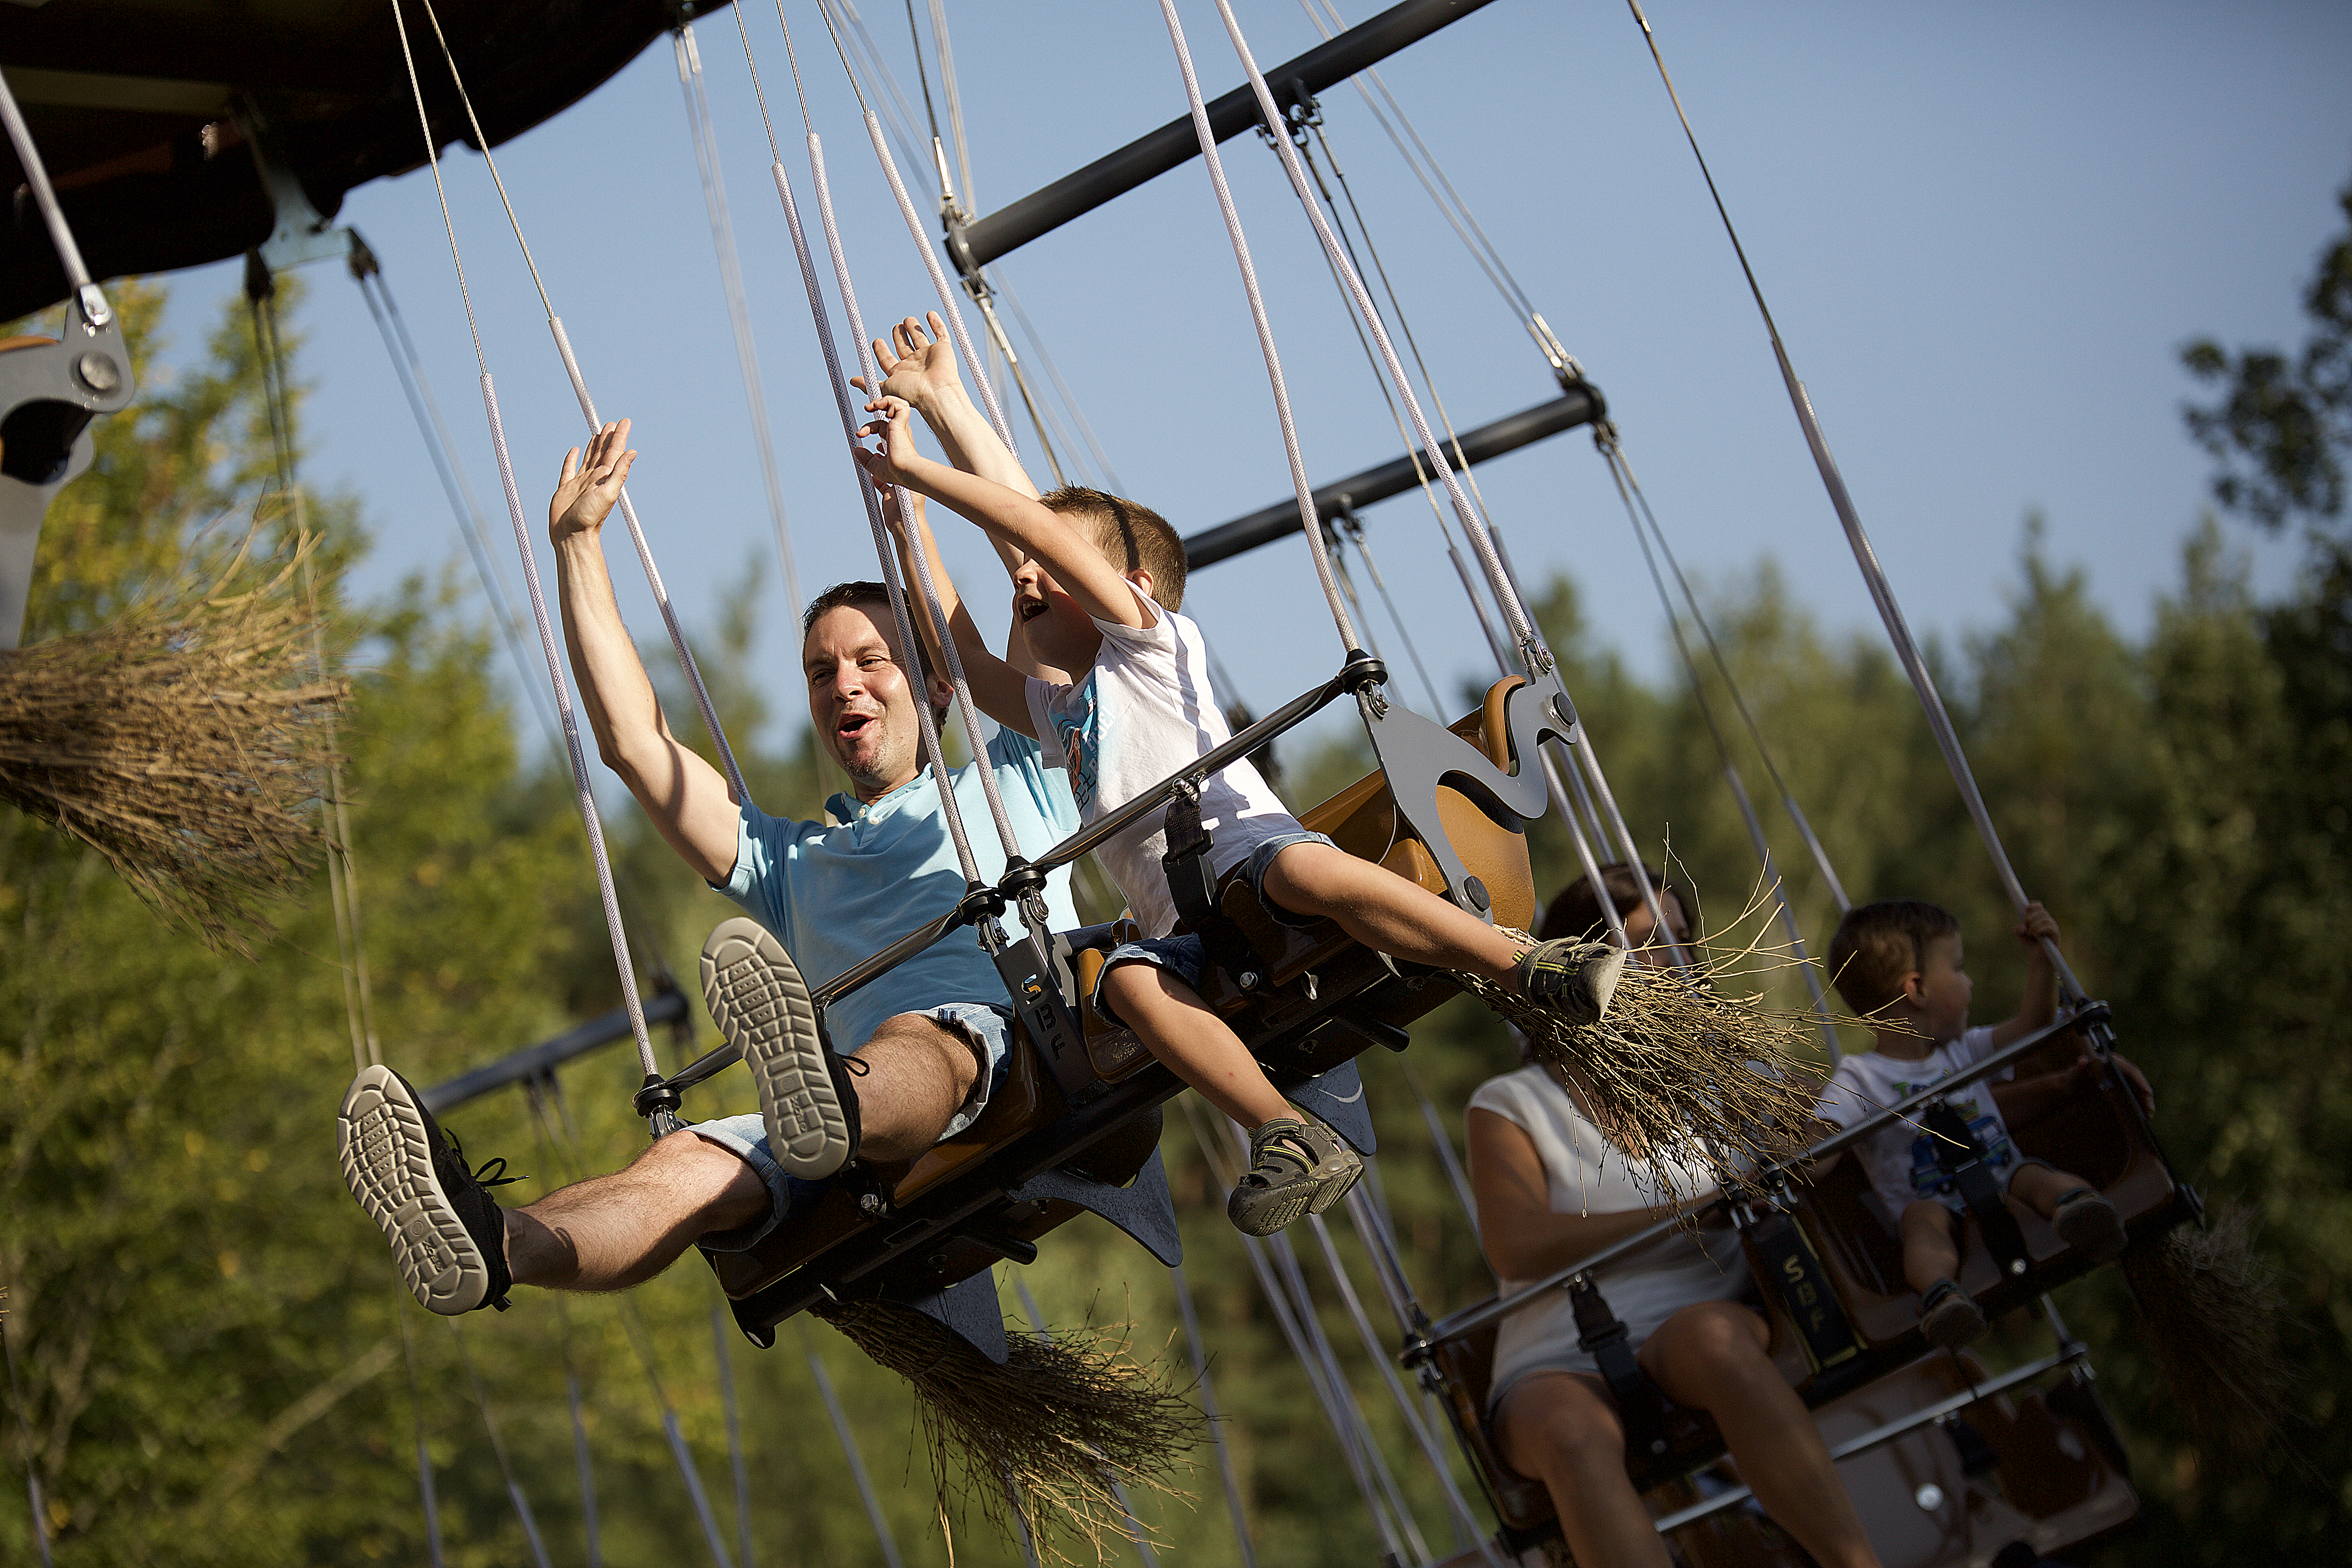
(1419, 755)
(300, 234)
(50, 392)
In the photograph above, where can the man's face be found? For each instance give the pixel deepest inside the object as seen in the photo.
(862, 698)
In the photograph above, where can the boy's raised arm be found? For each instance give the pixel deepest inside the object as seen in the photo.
(2039, 1006)
(918, 364)
(1007, 515)
(1002, 692)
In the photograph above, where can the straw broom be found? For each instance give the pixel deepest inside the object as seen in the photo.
(1046, 1434)
(1685, 1058)
(184, 740)
(2212, 1310)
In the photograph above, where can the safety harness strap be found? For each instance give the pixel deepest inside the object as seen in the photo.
(1964, 1160)
(1603, 1335)
(1192, 885)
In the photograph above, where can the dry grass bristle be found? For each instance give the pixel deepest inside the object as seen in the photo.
(2213, 1308)
(184, 740)
(1046, 1435)
(1686, 1057)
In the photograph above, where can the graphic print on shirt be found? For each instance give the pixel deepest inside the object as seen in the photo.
(1927, 1178)
(1077, 725)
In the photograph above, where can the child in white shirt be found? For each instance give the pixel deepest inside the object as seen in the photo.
(1096, 597)
(1899, 963)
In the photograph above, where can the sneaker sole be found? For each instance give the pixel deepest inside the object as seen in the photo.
(1954, 1322)
(388, 1164)
(760, 1002)
(2092, 1228)
(1261, 1213)
(1603, 984)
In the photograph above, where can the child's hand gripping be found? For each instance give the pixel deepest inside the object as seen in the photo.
(586, 490)
(2036, 925)
(895, 461)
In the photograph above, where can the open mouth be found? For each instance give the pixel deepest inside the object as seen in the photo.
(1030, 609)
(853, 724)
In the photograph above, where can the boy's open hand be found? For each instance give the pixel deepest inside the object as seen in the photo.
(915, 363)
(586, 492)
(893, 463)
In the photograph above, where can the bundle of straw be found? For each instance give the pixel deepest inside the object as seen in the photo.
(1043, 1438)
(1681, 1062)
(2213, 1308)
(184, 740)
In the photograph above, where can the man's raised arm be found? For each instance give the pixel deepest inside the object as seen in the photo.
(688, 799)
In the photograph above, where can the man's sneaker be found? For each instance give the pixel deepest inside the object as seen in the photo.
(761, 1004)
(2089, 1224)
(1949, 1317)
(1296, 1168)
(1578, 978)
(448, 1233)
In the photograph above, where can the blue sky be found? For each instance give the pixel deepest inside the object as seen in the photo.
(1984, 230)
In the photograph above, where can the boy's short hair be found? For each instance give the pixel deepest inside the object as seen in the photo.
(873, 596)
(1878, 944)
(1131, 536)
(1575, 913)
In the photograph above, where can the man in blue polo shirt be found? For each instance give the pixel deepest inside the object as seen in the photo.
(923, 1045)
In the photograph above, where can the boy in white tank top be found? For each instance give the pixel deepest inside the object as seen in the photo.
(1096, 597)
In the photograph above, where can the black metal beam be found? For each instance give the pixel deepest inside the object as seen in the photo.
(665, 1006)
(975, 244)
(1581, 405)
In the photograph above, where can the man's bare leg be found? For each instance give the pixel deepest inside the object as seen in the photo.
(609, 1233)
(917, 1072)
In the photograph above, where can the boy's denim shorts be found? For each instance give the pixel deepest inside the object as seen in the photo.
(987, 1028)
(1187, 957)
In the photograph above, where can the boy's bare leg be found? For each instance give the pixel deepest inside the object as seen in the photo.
(612, 1232)
(1171, 1020)
(2038, 1188)
(1928, 1252)
(1384, 911)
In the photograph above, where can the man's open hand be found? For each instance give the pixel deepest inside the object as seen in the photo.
(586, 492)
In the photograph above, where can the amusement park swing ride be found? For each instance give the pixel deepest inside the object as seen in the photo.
(1948, 1463)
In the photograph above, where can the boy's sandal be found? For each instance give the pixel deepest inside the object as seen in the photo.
(2087, 1221)
(1949, 1317)
(1574, 978)
(1296, 1168)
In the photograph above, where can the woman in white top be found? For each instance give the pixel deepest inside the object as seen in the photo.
(1553, 1183)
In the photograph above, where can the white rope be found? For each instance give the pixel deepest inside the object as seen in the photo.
(1873, 575)
(1473, 527)
(1739, 787)
(583, 796)
(1307, 518)
(949, 306)
(950, 809)
(588, 408)
(94, 304)
(739, 309)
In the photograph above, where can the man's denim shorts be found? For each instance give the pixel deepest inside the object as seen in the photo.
(1187, 957)
(986, 1027)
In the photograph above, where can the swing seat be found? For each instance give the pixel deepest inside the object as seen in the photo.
(2044, 1468)
(1320, 997)
(2096, 1136)
(959, 1207)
